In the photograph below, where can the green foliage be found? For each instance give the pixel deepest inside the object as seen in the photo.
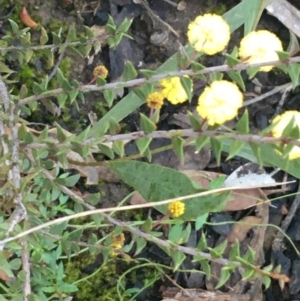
(74, 247)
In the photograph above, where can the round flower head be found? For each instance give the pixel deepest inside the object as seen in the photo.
(176, 208)
(101, 71)
(209, 33)
(173, 91)
(260, 46)
(219, 102)
(281, 122)
(155, 100)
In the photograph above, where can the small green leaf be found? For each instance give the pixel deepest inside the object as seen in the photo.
(283, 55)
(118, 148)
(140, 245)
(125, 25)
(129, 71)
(147, 73)
(14, 26)
(201, 142)
(65, 84)
(195, 121)
(114, 127)
(200, 221)
(187, 85)
(62, 98)
(175, 234)
(146, 124)
(36, 89)
(100, 81)
(237, 78)
(215, 76)
(243, 124)
(235, 148)
(248, 273)
(70, 181)
(197, 67)
(294, 71)
(44, 36)
(235, 251)
(256, 148)
(147, 225)
(202, 244)
(266, 280)
(109, 96)
(225, 275)
(107, 151)
(178, 144)
(178, 258)
(231, 61)
(143, 144)
(217, 149)
(251, 71)
(61, 136)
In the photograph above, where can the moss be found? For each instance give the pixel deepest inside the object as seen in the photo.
(101, 286)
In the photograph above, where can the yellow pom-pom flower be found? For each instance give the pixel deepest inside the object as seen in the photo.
(281, 122)
(155, 100)
(118, 242)
(176, 208)
(209, 33)
(219, 102)
(100, 71)
(173, 91)
(260, 46)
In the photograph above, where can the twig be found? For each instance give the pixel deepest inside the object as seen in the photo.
(277, 89)
(108, 139)
(60, 58)
(92, 209)
(26, 269)
(140, 81)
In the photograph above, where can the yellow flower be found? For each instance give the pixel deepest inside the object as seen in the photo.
(100, 71)
(176, 208)
(209, 33)
(282, 122)
(118, 242)
(155, 100)
(219, 102)
(173, 91)
(260, 46)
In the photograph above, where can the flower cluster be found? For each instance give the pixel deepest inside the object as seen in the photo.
(260, 46)
(118, 242)
(209, 33)
(155, 100)
(176, 208)
(219, 102)
(281, 122)
(100, 71)
(173, 91)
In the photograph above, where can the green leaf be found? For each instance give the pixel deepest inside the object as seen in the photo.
(215, 76)
(235, 251)
(129, 71)
(155, 183)
(202, 244)
(200, 221)
(194, 121)
(107, 151)
(201, 142)
(44, 36)
(217, 149)
(256, 148)
(231, 60)
(178, 258)
(143, 144)
(237, 78)
(70, 181)
(266, 280)
(62, 98)
(147, 225)
(109, 96)
(14, 26)
(294, 71)
(125, 25)
(114, 127)
(146, 124)
(251, 71)
(118, 148)
(225, 275)
(253, 11)
(178, 144)
(293, 47)
(283, 55)
(187, 85)
(147, 73)
(61, 136)
(243, 124)
(219, 250)
(175, 234)
(235, 148)
(140, 245)
(100, 81)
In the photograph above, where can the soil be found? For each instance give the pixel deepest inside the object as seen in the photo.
(151, 46)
